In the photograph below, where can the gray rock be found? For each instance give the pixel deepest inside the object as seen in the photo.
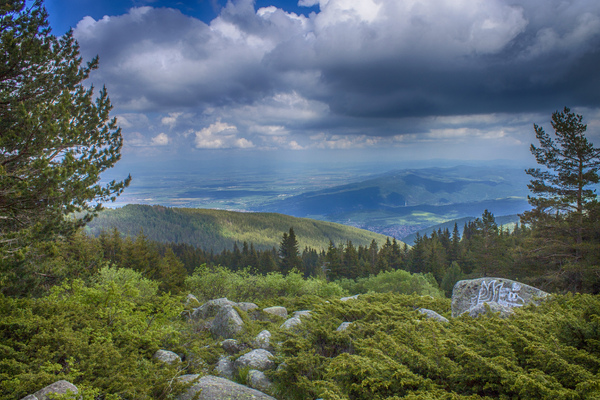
(262, 340)
(232, 346)
(291, 323)
(258, 380)
(215, 388)
(227, 323)
(59, 387)
(211, 308)
(343, 326)
(505, 292)
(484, 308)
(247, 306)
(350, 297)
(167, 356)
(225, 368)
(432, 315)
(302, 313)
(259, 359)
(279, 311)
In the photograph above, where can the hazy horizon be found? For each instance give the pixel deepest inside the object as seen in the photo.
(245, 85)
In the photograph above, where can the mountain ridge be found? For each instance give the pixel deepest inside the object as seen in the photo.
(219, 230)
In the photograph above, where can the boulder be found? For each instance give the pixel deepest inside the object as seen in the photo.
(224, 367)
(278, 311)
(302, 313)
(167, 357)
(215, 388)
(247, 306)
(227, 323)
(432, 315)
(211, 308)
(258, 380)
(262, 340)
(350, 298)
(291, 323)
(232, 346)
(259, 359)
(492, 307)
(343, 326)
(59, 387)
(505, 292)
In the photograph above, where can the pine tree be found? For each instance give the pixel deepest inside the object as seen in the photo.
(55, 138)
(562, 198)
(289, 253)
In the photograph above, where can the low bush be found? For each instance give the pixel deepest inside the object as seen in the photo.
(399, 281)
(99, 336)
(212, 283)
(390, 351)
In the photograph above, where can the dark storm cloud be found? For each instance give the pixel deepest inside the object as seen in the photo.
(365, 68)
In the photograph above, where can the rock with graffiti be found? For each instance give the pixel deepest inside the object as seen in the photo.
(499, 293)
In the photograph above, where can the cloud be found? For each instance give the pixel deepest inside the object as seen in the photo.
(171, 120)
(356, 71)
(220, 135)
(160, 140)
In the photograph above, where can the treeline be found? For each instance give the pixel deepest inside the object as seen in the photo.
(219, 230)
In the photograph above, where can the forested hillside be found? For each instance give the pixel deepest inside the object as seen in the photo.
(219, 230)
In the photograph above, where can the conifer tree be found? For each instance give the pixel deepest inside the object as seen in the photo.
(562, 198)
(289, 253)
(55, 138)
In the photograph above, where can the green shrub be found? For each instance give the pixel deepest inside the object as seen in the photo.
(99, 336)
(391, 351)
(212, 283)
(399, 281)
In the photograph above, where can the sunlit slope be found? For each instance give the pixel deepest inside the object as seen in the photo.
(218, 229)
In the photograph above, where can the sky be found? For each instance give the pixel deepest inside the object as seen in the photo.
(338, 79)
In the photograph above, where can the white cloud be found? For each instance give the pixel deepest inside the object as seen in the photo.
(269, 130)
(171, 120)
(162, 139)
(220, 135)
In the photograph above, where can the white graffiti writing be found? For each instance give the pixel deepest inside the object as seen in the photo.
(494, 291)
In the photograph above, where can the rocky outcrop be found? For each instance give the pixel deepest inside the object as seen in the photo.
(167, 357)
(500, 294)
(60, 387)
(215, 388)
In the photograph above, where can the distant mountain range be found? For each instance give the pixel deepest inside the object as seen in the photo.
(217, 230)
(399, 203)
